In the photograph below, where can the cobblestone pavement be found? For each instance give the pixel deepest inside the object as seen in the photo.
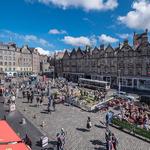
(73, 120)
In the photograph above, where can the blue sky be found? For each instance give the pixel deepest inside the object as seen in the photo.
(58, 25)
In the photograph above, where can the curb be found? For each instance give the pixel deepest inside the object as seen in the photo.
(131, 133)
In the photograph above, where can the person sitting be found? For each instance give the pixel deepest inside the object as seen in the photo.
(146, 122)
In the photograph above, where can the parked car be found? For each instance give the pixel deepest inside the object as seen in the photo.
(123, 95)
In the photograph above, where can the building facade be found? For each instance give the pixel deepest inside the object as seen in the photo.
(44, 64)
(129, 65)
(35, 61)
(19, 61)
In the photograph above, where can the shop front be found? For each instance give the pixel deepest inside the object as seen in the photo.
(136, 83)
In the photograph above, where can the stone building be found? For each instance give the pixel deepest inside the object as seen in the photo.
(128, 64)
(58, 64)
(25, 61)
(35, 61)
(18, 61)
(8, 57)
(44, 64)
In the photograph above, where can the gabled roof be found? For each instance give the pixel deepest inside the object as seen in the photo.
(95, 50)
(73, 52)
(79, 51)
(25, 47)
(109, 47)
(59, 55)
(142, 45)
(125, 47)
(66, 54)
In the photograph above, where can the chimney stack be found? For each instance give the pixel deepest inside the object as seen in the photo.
(102, 47)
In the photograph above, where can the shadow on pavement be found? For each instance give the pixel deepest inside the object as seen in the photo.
(25, 102)
(45, 104)
(100, 148)
(33, 105)
(82, 129)
(50, 148)
(53, 142)
(99, 126)
(44, 112)
(97, 142)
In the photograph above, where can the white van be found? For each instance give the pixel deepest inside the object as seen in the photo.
(123, 95)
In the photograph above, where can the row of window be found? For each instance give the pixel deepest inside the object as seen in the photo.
(25, 69)
(7, 52)
(13, 69)
(25, 59)
(7, 63)
(7, 58)
(8, 69)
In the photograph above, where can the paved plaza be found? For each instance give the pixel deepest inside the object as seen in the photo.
(73, 120)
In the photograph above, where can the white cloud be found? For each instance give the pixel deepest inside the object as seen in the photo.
(139, 17)
(29, 39)
(77, 41)
(56, 31)
(85, 4)
(88, 20)
(107, 39)
(124, 35)
(42, 51)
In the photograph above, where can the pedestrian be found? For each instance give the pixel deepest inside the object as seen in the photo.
(108, 118)
(37, 101)
(28, 96)
(54, 104)
(114, 141)
(13, 98)
(41, 100)
(17, 92)
(48, 108)
(28, 141)
(63, 136)
(31, 96)
(89, 124)
(59, 142)
(23, 94)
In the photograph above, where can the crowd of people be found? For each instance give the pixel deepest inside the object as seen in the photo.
(40, 92)
(132, 112)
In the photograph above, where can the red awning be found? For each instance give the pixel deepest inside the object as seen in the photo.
(7, 134)
(18, 146)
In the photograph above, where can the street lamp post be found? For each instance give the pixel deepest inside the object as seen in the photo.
(119, 83)
(54, 68)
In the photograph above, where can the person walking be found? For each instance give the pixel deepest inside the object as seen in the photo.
(54, 104)
(13, 98)
(48, 108)
(31, 97)
(37, 101)
(63, 136)
(59, 142)
(28, 141)
(28, 96)
(23, 94)
(114, 141)
(89, 124)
